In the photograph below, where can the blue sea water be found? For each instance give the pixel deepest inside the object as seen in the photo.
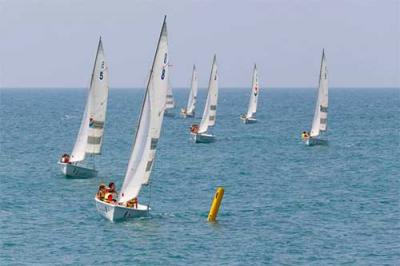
(284, 203)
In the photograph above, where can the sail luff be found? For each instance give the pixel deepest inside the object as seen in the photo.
(321, 107)
(210, 109)
(149, 127)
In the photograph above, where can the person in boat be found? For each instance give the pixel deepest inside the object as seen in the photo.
(101, 192)
(305, 135)
(65, 158)
(194, 128)
(133, 203)
(110, 193)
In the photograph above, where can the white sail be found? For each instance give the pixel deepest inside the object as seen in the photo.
(191, 106)
(150, 122)
(170, 104)
(252, 109)
(90, 136)
(210, 109)
(321, 108)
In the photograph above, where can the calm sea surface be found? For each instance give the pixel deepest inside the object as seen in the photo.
(284, 203)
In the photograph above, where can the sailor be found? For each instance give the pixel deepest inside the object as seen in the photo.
(194, 128)
(111, 193)
(132, 203)
(101, 192)
(65, 158)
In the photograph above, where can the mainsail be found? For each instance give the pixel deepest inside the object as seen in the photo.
(150, 122)
(321, 108)
(193, 93)
(254, 94)
(210, 109)
(90, 136)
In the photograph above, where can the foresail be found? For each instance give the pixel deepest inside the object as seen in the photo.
(252, 109)
(89, 139)
(210, 109)
(79, 151)
(150, 122)
(321, 108)
(193, 93)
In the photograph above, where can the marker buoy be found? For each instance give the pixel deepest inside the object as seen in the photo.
(219, 194)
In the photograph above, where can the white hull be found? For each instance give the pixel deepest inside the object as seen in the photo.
(116, 213)
(184, 114)
(203, 138)
(315, 141)
(248, 120)
(75, 171)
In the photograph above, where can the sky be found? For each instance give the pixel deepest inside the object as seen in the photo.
(52, 43)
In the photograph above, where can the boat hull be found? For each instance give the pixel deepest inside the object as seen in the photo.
(203, 138)
(75, 171)
(315, 141)
(118, 213)
(248, 120)
(184, 114)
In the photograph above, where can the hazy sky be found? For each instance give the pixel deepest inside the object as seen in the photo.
(52, 43)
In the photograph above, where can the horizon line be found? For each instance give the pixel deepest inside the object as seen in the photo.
(187, 88)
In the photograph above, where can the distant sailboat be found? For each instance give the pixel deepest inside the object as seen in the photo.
(144, 148)
(189, 111)
(170, 103)
(90, 136)
(320, 120)
(249, 117)
(199, 133)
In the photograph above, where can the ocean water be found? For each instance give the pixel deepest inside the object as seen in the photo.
(284, 203)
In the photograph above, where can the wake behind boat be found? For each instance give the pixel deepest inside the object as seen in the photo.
(189, 111)
(90, 136)
(249, 117)
(320, 120)
(144, 148)
(199, 133)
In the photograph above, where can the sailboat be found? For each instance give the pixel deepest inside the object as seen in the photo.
(249, 117)
(90, 137)
(170, 103)
(141, 161)
(189, 111)
(320, 120)
(199, 133)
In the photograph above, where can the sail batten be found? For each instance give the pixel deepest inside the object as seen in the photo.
(210, 109)
(148, 132)
(252, 108)
(91, 131)
(191, 105)
(321, 107)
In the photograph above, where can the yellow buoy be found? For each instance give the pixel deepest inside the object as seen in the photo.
(219, 194)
